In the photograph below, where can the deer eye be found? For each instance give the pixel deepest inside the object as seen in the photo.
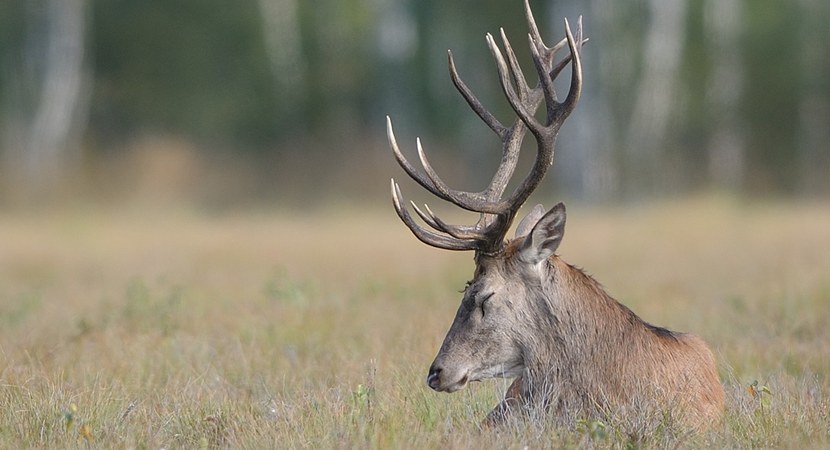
(483, 302)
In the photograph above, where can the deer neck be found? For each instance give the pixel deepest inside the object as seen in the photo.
(572, 317)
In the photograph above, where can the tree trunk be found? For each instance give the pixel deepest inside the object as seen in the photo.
(584, 159)
(60, 110)
(656, 94)
(726, 152)
(813, 139)
(281, 29)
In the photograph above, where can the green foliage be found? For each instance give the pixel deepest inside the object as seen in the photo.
(771, 45)
(202, 71)
(196, 67)
(280, 287)
(72, 425)
(150, 311)
(595, 429)
(15, 312)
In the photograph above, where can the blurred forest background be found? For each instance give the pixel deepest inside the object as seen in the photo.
(228, 103)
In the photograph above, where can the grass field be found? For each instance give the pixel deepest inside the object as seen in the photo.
(266, 330)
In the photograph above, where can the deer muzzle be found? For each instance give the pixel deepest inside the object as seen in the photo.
(440, 380)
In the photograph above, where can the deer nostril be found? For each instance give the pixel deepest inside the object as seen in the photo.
(433, 379)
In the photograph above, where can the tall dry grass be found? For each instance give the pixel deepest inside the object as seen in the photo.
(184, 330)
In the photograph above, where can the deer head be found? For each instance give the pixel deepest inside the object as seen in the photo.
(496, 313)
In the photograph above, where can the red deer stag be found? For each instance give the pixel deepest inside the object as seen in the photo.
(573, 350)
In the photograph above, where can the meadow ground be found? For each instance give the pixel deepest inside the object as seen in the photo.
(266, 330)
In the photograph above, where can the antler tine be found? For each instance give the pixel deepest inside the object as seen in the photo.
(467, 200)
(543, 57)
(575, 90)
(562, 64)
(424, 235)
(545, 80)
(531, 22)
(549, 52)
(515, 69)
(482, 112)
(404, 163)
(425, 217)
(433, 183)
(456, 231)
(510, 93)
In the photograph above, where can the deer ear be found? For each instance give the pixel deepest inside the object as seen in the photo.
(523, 229)
(545, 236)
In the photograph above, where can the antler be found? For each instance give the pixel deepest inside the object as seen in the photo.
(487, 235)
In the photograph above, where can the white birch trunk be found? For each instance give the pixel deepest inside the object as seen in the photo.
(657, 93)
(813, 144)
(583, 162)
(726, 152)
(60, 109)
(283, 42)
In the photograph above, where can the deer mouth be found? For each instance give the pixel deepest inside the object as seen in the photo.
(436, 383)
(458, 385)
(437, 379)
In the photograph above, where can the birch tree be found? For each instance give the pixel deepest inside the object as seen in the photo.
(585, 161)
(813, 145)
(281, 29)
(657, 90)
(726, 152)
(60, 108)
